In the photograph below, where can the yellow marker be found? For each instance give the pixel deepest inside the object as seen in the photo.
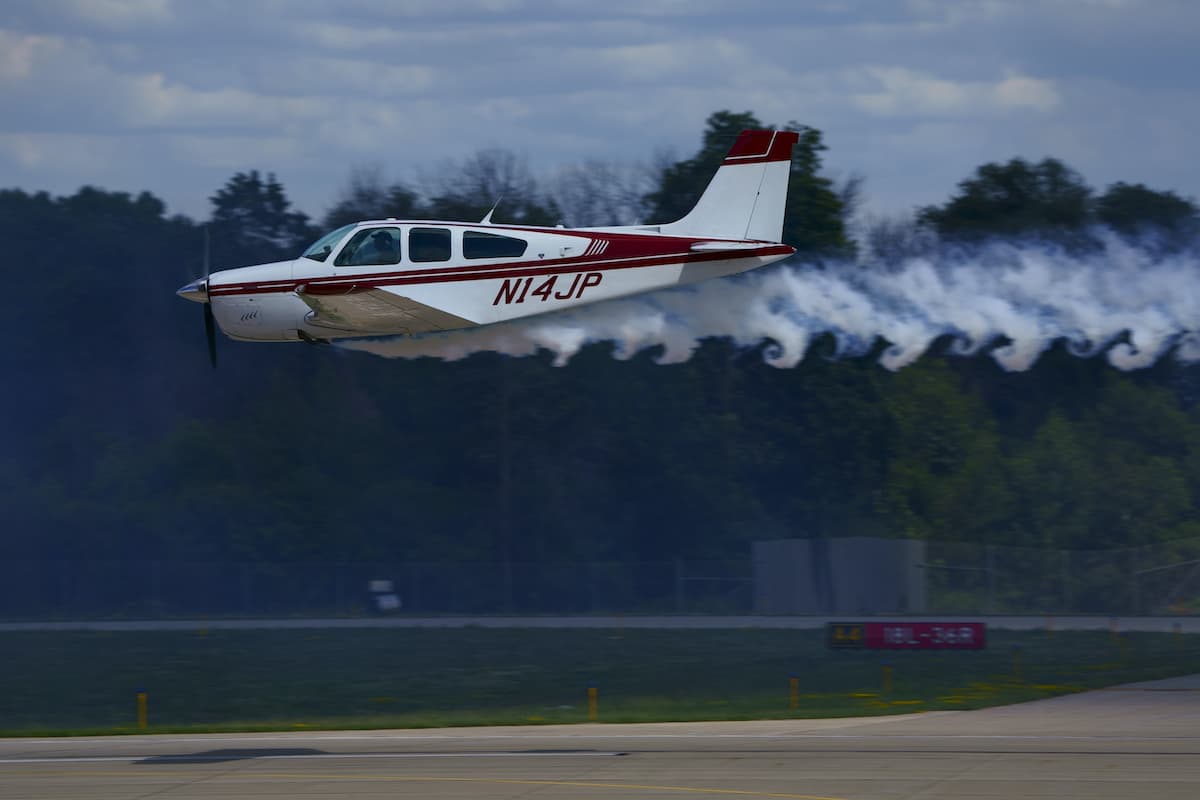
(793, 692)
(593, 704)
(1017, 665)
(141, 708)
(887, 678)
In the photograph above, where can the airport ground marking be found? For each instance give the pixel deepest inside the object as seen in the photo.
(309, 778)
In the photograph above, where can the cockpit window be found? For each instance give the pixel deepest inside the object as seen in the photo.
(371, 247)
(477, 244)
(321, 248)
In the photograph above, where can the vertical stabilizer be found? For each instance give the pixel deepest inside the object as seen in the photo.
(747, 196)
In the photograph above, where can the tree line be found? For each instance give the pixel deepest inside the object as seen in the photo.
(121, 442)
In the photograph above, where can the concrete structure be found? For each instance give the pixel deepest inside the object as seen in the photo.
(851, 575)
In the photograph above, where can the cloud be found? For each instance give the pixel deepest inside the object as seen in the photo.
(912, 95)
(70, 153)
(899, 91)
(117, 14)
(19, 53)
(346, 79)
(62, 86)
(1018, 91)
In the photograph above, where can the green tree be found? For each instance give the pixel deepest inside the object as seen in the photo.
(1136, 211)
(1047, 199)
(945, 477)
(1056, 478)
(1117, 475)
(814, 438)
(815, 220)
(252, 222)
(607, 193)
(682, 183)
(493, 177)
(366, 196)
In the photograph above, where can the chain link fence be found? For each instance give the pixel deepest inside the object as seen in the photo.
(160, 589)
(988, 579)
(959, 579)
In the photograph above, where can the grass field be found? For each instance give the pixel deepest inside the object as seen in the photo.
(80, 682)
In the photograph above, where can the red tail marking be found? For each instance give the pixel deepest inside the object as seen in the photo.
(755, 147)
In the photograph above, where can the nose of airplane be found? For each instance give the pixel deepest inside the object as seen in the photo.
(196, 291)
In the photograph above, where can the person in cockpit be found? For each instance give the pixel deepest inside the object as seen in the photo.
(381, 249)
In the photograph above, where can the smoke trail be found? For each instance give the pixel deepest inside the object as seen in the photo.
(1124, 301)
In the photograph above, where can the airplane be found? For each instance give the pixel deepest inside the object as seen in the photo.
(404, 277)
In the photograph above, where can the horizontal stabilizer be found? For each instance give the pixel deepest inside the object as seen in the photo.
(716, 247)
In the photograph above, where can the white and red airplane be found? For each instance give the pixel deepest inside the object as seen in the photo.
(386, 277)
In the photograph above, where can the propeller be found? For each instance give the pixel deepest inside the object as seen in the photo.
(197, 291)
(210, 333)
(210, 322)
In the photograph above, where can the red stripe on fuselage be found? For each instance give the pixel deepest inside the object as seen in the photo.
(361, 282)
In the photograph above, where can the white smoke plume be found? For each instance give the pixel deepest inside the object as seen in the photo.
(1126, 302)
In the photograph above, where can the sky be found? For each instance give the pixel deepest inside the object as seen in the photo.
(176, 96)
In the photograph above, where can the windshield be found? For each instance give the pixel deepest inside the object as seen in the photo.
(321, 248)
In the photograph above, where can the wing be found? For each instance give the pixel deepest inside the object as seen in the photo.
(373, 310)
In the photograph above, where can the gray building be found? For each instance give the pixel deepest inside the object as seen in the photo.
(852, 575)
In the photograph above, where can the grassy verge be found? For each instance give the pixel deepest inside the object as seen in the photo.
(85, 682)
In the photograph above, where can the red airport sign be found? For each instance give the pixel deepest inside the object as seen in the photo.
(907, 635)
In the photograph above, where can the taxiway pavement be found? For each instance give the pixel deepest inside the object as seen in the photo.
(1129, 741)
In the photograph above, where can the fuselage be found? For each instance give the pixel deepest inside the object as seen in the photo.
(446, 275)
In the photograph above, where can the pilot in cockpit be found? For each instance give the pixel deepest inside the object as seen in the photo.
(383, 249)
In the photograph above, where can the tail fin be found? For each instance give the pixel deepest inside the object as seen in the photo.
(746, 198)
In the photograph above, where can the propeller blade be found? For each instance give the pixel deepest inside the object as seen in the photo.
(197, 292)
(210, 324)
(210, 332)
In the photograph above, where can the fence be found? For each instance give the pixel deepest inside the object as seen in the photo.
(147, 589)
(959, 579)
(969, 578)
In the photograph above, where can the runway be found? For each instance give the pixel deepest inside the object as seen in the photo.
(1136, 740)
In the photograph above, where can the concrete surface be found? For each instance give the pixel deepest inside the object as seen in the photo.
(1140, 740)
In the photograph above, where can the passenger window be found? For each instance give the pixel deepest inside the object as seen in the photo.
(371, 247)
(429, 244)
(490, 245)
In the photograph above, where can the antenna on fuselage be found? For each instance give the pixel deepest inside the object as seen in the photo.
(487, 218)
